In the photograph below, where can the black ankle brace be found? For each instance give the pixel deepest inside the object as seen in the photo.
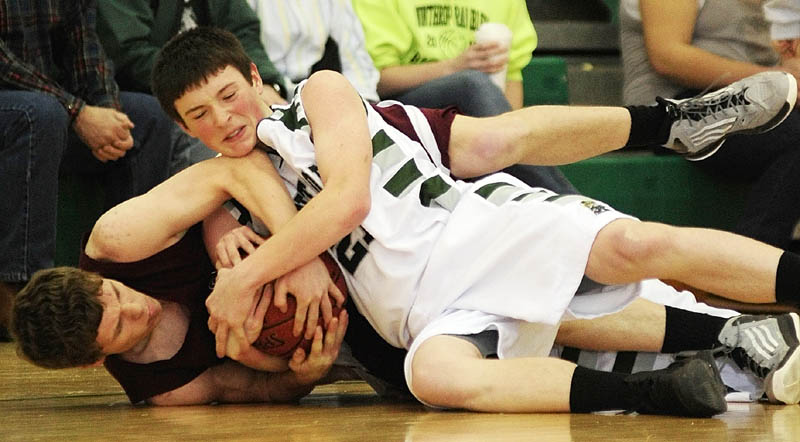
(649, 125)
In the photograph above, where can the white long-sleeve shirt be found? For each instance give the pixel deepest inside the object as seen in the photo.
(784, 18)
(294, 33)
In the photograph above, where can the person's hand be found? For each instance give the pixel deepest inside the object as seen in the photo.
(792, 66)
(271, 96)
(106, 131)
(786, 48)
(232, 244)
(249, 355)
(311, 285)
(229, 306)
(484, 57)
(324, 351)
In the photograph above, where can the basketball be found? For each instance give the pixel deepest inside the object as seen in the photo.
(276, 337)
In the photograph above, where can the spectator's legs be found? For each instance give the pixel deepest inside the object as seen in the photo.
(186, 150)
(146, 164)
(471, 91)
(772, 161)
(33, 128)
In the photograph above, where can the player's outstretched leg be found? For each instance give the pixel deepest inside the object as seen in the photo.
(752, 105)
(767, 345)
(688, 387)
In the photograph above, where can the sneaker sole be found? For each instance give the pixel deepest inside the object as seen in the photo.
(783, 383)
(786, 109)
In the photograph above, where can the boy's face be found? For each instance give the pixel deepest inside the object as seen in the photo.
(129, 318)
(224, 111)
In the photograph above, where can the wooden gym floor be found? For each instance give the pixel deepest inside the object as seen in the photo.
(87, 404)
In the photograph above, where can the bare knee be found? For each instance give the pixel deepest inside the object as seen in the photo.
(624, 249)
(437, 379)
(477, 147)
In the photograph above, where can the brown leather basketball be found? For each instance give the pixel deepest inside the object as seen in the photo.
(276, 336)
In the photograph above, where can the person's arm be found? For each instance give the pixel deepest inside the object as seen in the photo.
(146, 224)
(239, 18)
(523, 43)
(233, 382)
(514, 94)
(343, 152)
(81, 57)
(19, 75)
(89, 71)
(668, 27)
(488, 58)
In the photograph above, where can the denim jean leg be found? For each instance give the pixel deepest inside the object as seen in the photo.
(187, 150)
(33, 127)
(471, 91)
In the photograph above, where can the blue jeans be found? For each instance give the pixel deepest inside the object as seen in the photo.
(37, 142)
(474, 94)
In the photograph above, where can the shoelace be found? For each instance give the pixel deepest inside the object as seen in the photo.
(700, 108)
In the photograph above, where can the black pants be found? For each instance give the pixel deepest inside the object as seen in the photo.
(771, 162)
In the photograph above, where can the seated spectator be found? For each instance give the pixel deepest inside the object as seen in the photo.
(303, 36)
(59, 102)
(427, 57)
(784, 18)
(681, 47)
(133, 31)
(426, 52)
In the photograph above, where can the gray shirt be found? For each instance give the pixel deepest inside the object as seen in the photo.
(735, 29)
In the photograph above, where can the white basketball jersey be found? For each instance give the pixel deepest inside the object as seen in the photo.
(432, 244)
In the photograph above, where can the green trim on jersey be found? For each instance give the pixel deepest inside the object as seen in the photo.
(292, 116)
(380, 141)
(431, 189)
(403, 179)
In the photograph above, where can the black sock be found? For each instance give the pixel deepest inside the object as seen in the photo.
(593, 390)
(649, 126)
(787, 279)
(687, 330)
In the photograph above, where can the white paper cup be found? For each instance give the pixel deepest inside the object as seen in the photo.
(496, 32)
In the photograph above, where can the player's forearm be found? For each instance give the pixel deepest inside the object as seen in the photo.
(256, 184)
(256, 386)
(142, 226)
(324, 220)
(398, 79)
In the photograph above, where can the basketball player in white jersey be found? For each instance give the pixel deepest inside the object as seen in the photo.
(428, 256)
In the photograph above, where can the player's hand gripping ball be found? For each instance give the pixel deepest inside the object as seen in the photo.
(276, 336)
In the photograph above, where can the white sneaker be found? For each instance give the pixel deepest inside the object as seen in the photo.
(768, 346)
(751, 105)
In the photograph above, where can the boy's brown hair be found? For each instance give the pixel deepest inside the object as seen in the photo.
(189, 58)
(56, 316)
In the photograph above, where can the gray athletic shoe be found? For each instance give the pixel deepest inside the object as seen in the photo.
(768, 346)
(754, 104)
(688, 387)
